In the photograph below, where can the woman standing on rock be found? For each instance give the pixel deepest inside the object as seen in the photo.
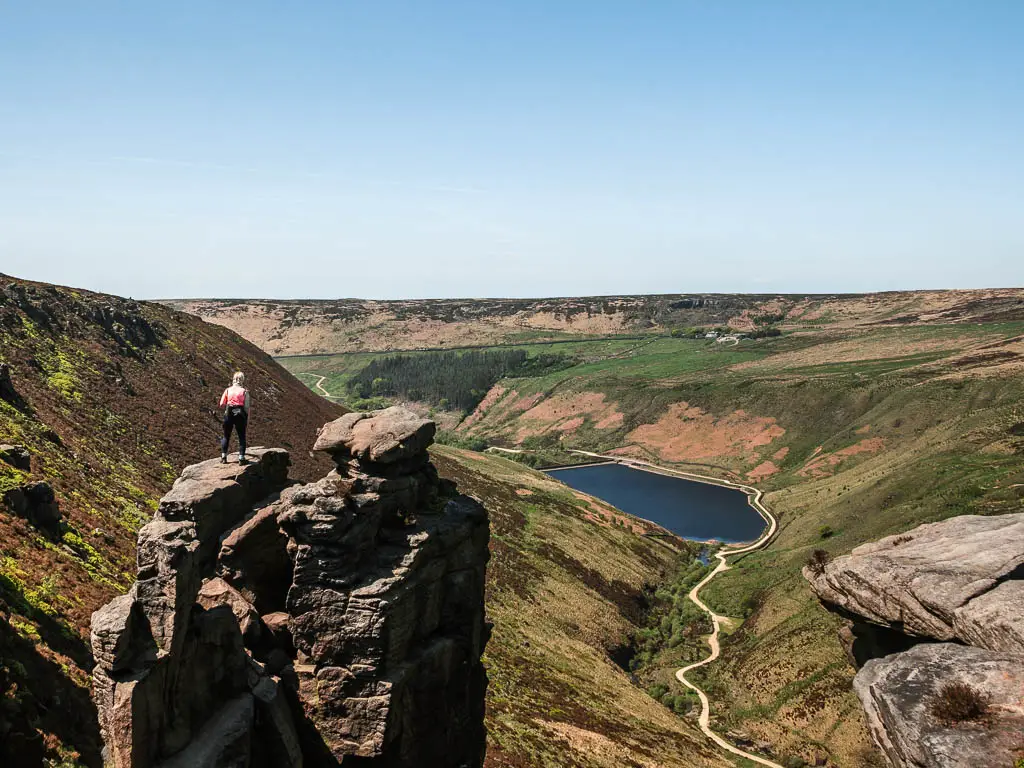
(235, 402)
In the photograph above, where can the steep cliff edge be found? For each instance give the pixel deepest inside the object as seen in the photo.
(959, 582)
(370, 583)
(104, 401)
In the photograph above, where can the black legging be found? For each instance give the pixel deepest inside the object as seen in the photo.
(237, 419)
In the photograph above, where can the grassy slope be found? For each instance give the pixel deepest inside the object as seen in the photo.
(112, 412)
(864, 439)
(566, 584)
(869, 430)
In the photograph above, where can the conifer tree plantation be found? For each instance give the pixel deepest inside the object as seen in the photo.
(449, 380)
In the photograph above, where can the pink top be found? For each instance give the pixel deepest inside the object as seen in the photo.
(234, 397)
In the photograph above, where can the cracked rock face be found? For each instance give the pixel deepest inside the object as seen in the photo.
(960, 580)
(383, 437)
(173, 681)
(936, 581)
(387, 598)
(305, 625)
(898, 691)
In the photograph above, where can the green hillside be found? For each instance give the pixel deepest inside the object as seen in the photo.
(568, 582)
(855, 432)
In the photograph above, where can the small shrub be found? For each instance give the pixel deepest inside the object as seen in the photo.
(901, 540)
(657, 690)
(818, 560)
(794, 762)
(681, 705)
(826, 532)
(959, 703)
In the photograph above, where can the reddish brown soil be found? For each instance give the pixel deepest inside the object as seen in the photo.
(494, 395)
(499, 405)
(567, 412)
(763, 470)
(824, 464)
(688, 433)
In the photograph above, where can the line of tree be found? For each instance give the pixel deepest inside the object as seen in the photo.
(449, 380)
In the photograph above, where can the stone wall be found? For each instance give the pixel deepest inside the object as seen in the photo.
(334, 623)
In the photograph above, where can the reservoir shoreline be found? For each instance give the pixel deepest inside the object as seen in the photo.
(709, 517)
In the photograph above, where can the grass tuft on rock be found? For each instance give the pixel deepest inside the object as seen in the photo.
(818, 560)
(958, 702)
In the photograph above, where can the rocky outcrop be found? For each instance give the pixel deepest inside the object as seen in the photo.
(321, 624)
(386, 603)
(935, 581)
(899, 691)
(173, 681)
(16, 456)
(960, 580)
(37, 503)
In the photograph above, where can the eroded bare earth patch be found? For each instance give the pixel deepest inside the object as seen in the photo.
(567, 412)
(824, 464)
(688, 433)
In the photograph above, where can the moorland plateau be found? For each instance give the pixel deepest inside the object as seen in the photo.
(860, 416)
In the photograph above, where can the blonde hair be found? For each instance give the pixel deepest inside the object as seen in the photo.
(238, 380)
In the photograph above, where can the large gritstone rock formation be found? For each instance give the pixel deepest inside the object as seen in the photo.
(960, 582)
(898, 692)
(335, 623)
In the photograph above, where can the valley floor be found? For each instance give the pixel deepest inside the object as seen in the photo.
(853, 431)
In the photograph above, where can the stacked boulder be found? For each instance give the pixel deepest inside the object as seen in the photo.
(948, 597)
(274, 624)
(387, 598)
(33, 501)
(173, 683)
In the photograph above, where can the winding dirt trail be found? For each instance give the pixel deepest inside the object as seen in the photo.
(318, 385)
(754, 499)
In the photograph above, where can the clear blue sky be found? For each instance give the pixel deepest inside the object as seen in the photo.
(415, 149)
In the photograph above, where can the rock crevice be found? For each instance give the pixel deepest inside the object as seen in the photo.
(949, 597)
(279, 624)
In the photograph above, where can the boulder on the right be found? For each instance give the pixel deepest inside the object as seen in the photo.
(935, 581)
(903, 696)
(949, 596)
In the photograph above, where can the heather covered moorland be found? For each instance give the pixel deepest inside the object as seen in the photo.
(863, 417)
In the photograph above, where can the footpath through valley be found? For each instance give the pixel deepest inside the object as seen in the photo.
(754, 498)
